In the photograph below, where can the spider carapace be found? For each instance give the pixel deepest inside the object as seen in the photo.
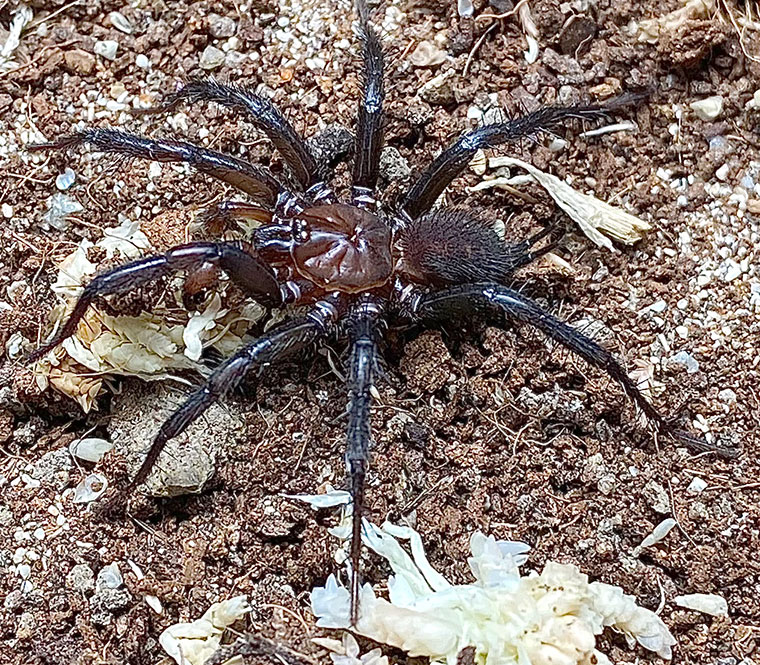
(357, 266)
(336, 247)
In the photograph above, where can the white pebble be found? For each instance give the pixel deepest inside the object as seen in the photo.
(65, 179)
(154, 604)
(211, 58)
(733, 271)
(90, 488)
(696, 486)
(722, 172)
(24, 570)
(7, 210)
(90, 449)
(685, 359)
(121, 22)
(39, 534)
(106, 49)
(465, 8)
(727, 395)
(110, 576)
(708, 108)
(708, 603)
(658, 533)
(142, 61)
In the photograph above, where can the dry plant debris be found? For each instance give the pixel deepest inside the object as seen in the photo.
(546, 618)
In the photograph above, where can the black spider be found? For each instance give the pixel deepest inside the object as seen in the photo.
(355, 265)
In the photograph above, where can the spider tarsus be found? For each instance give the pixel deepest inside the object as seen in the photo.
(701, 445)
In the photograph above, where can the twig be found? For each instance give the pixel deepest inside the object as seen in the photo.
(476, 47)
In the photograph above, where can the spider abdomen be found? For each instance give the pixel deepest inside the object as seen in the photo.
(344, 248)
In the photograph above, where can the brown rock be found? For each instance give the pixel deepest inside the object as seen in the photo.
(576, 32)
(79, 61)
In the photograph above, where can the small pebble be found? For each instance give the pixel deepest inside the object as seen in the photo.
(727, 395)
(110, 577)
(7, 210)
(656, 496)
(221, 27)
(440, 89)
(90, 449)
(81, 578)
(465, 8)
(685, 360)
(106, 49)
(722, 172)
(142, 61)
(427, 54)
(696, 486)
(121, 22)
(79, 61)
(65, 179)
(60, 206)
(90, 488)
(707, 603)
(708, 108)
(211, 58)
(154, 604)
(733, 271)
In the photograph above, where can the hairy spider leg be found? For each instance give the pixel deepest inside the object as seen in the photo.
(263, 114)
(248, 272)
(257, 181)
(276, 345)
(525, 252)
(454, 159)
(363, 323)
(487, 298)
(369, 133)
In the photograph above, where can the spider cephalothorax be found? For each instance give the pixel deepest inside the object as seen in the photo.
(354, 266)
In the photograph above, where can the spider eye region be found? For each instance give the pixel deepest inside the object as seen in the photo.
(347, 248)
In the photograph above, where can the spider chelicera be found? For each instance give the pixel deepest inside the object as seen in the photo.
(355, 265)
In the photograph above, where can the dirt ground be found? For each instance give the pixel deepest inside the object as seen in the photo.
(474, 428)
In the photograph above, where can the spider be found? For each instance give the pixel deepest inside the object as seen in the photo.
(354, 264)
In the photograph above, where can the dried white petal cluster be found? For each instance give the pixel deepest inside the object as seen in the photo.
(550, 618)
(150, 346)
(194, 643)
(347, 652)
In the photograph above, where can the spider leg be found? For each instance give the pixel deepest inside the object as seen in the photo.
(454, 159)
(525, 252)
(490, 298)
(244, 268)
(217, 217)
(256, 181)
(369, 134)
(264, 115)
(276, 345)
(363, 322)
